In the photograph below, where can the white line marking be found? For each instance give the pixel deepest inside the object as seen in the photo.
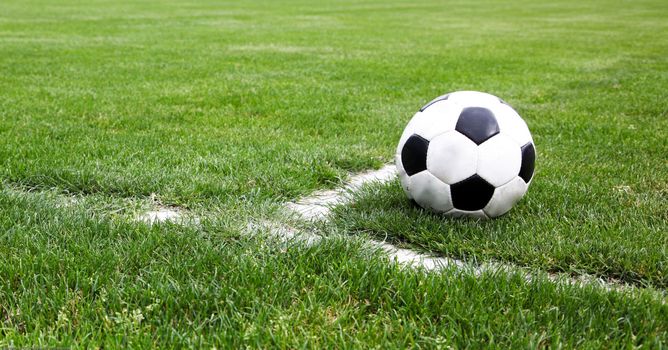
(161, 215)
(285, 233)
(412, 258)
(319, 205)
(175, 216)
(428, 263)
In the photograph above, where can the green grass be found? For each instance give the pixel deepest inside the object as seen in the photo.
(611, 239)
(231, 108)
(71, 279)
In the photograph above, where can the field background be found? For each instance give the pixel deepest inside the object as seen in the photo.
(229, 109)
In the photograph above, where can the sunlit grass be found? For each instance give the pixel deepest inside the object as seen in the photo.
(230, 109)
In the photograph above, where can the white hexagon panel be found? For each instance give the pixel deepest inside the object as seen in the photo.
(505, 197)
(452, 157)
(430, 192)
(499, 160)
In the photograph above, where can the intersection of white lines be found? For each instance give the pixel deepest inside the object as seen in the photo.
(318, 207)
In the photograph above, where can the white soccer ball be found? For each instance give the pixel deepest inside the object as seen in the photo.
(466, 153)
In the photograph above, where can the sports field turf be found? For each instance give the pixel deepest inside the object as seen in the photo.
(231, 109)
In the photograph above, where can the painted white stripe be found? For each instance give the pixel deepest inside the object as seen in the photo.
(412, 258)
(318, 205)
(428, 263)
(161, 215)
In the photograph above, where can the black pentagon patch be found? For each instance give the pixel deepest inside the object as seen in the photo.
(528, 160)
(478, 124)
(439, 98)
(414, 154)
(471, 194)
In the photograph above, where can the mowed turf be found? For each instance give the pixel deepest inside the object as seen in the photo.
(69, 278)
(233, 108)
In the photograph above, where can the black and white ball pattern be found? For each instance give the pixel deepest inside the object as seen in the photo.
(466, 153)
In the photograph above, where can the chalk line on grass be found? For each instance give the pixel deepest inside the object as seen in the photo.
(161, 214)
(318, 205)
(429, 263)
(318, 208)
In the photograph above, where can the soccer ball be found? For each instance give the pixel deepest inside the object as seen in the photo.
(466, 153)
